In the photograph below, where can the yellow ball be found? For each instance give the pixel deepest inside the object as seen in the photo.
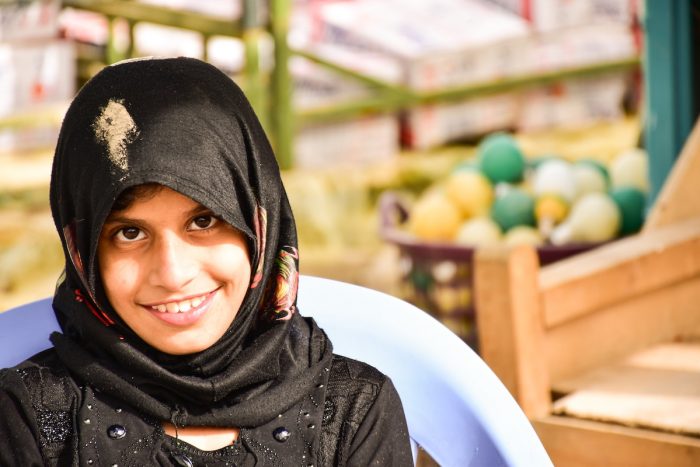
(447, 299)
(434, 217)
(523, 235)
(471, 191)
(479, 231)
(552, 208)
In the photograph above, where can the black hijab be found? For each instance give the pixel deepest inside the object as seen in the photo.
(183, 124)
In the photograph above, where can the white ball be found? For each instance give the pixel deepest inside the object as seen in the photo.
(593, 218)
(631, 169)
(555, 177)
(588, 179)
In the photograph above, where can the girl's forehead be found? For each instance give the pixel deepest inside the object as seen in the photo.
(155, 201)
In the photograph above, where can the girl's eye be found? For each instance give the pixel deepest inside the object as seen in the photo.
(129, 234)
(203, 222)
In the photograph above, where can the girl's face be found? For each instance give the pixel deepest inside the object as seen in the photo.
(173, 272)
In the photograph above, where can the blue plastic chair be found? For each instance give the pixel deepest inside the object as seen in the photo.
(456, 408)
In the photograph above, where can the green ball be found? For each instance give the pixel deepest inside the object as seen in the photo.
(421, 279)
(632, 204)
(500, 158)
(513, 208)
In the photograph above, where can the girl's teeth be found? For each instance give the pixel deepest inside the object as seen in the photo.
(179, 307)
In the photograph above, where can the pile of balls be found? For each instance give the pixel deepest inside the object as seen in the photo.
(502, 197)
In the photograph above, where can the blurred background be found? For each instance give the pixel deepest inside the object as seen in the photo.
(409, 131)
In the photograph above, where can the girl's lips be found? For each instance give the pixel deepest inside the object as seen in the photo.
(185, 318)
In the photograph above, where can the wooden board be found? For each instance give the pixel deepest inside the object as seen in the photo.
(657, 388)
(677, 200)
(581, 443)
(622, 270)
(510, 325)
(614, 332)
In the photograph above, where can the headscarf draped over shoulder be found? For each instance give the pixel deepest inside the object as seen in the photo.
(183, 124)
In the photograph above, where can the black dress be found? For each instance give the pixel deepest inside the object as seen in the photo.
(46, 418)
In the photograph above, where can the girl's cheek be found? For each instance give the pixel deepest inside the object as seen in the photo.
(122, 275)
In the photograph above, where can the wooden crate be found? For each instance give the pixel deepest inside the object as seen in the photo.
(572, 328)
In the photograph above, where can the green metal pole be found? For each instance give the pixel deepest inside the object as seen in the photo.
(205, 47)
(281, 117)
(669, 84)
(253, 79)
(111, 52)
(131, 48)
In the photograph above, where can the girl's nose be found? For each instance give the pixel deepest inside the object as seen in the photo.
(173, 263)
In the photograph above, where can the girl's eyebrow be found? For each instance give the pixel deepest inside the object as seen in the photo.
(199, 209)
(116, 218)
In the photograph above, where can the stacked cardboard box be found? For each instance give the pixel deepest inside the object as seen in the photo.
(573, 33)
(33, 19)
(354, 142)
(436, 44)
(37, 71)
(466, 42)
(548, 15)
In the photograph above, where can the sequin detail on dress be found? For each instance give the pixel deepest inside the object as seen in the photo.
(328, 412)
(55, 426)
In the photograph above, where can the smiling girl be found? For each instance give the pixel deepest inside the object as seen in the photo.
(175, 272)
(182, 343)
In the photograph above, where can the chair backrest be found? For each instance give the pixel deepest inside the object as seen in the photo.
(456, 408)
(25, 330)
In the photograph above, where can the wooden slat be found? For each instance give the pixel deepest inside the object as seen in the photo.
(668, 356)
(657, 388)
(580, 443)
(509, 324)
(677, 200)
(616, 331)
(619, 271)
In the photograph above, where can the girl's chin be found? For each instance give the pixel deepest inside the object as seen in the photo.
(181, 348)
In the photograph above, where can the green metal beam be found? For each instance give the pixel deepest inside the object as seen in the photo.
(389, 102)
(391, 88)
(136, 11)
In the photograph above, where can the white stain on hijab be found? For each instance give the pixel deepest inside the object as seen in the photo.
(115, 128)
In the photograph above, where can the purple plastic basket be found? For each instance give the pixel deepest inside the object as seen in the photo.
(438, 277)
